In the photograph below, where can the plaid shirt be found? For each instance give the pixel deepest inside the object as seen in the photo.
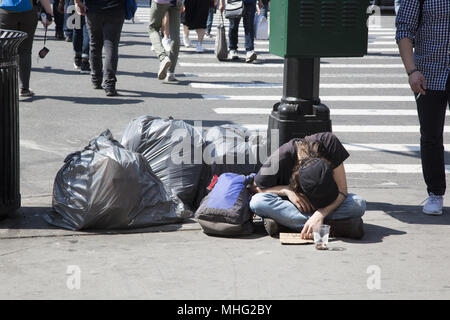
(431, 38)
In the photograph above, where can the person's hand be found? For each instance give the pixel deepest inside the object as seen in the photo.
(300, 201)
(46, 22)
(418, 82)
(80, 8)
(221, 7)
(313, 223)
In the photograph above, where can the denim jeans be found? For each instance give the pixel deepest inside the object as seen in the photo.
(80, 40)
(209, 22)
(249, 18)
(270, 205)
(68, 32)
(105, 28)
(397, 5)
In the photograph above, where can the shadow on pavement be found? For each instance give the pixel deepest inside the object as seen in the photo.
(410, 214)
(31, 218)
(374, 234)
(106, 101)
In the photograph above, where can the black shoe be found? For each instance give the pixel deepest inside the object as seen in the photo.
(271, 227)
(77, 62)
(347, 228)
(59, 35)
(110, 91)
(97, 85)
(85, 66)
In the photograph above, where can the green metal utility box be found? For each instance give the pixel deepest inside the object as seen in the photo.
(319, 28)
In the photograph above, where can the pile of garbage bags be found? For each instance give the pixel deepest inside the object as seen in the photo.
(158, 173)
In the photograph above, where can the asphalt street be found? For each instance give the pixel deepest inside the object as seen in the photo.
(404, 253)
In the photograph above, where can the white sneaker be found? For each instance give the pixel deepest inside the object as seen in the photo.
(186, 41)
(233, 55)
(433, 205)
(171, 78)
(166, 43)
(199, 48)
(165, 64)
(250, 56)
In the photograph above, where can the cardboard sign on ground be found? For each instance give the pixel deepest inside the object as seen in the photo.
(293, 238)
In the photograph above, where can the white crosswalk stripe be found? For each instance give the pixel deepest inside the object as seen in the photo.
(369, 85)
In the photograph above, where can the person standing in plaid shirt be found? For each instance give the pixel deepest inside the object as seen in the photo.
(423, 38)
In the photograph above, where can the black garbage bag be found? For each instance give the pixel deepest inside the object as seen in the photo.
(106, 186)
(229, 148)
(173, 148)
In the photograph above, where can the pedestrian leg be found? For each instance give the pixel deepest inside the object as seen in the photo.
(94, 22)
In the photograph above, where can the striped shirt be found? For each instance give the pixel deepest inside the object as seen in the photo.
(431, 38)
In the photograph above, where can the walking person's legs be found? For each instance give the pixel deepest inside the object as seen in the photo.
(174, 27)
(209, 22)
(233, 37)
(25, 22)
(77, 44)
(431, 109)
(157, 13)
(200, 36)
(59, 21)
(94, 22)
(68, 32)
(249, 29)
(111, 34)
(85, 66)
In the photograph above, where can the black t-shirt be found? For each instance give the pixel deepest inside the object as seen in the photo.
(278, 172)
(99, 5)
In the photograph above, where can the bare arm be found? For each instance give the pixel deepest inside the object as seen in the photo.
(416, 80)
(299, 200)
(47, 7)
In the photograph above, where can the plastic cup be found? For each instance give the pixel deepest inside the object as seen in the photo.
(321, 237)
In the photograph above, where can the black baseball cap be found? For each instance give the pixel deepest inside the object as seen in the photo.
(315, 178)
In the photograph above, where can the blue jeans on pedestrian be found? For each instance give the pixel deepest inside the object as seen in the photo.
(397, 5)
(80, 40)
(249, 18)
(209, 22)
(68, 32)
(270, 205)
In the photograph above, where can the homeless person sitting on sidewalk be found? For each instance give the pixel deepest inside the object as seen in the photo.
(303, 185)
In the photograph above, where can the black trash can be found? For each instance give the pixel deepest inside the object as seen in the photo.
(9, 121)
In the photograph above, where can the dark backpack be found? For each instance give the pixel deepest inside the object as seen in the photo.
(225, 210)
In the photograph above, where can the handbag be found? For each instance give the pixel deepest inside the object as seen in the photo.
(130, 9)
(234, 9)
(220, 48)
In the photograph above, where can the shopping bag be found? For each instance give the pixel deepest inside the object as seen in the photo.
(261, 27)
(221, 45)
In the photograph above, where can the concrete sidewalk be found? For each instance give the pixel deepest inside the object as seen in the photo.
(404, 254)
